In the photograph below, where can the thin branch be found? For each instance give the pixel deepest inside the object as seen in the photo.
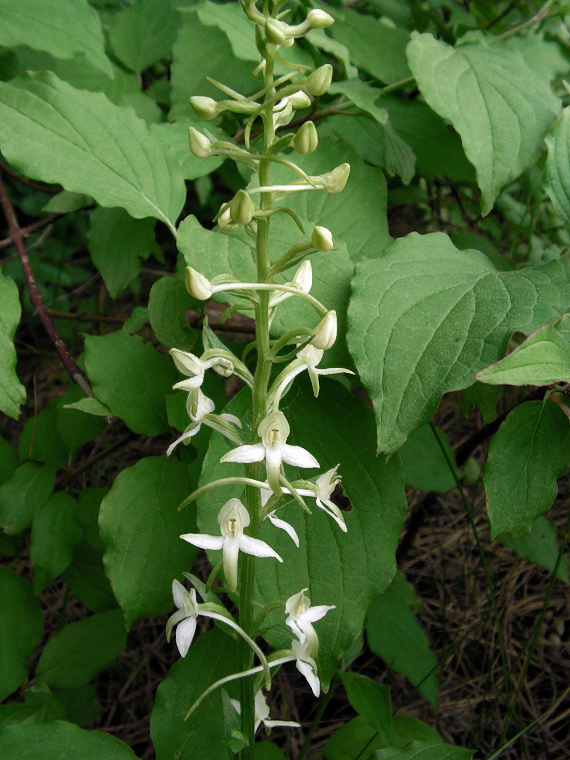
(35, 296)
(30, 229)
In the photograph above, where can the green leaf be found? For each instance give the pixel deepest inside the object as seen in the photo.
(40, 705)
(211, 657)
(41, 440)
(75, 427)
(425, 465)
(371, 700)
(418, 750)
(543, 359)
(81, 704)
(394, 635)
(173, 139)
(91, 406)
(59, 739)
(8, 460)
(499, 106)
(144, 33)
(12, 392)
(54, 133)
(234, 23)
(21, 627)
(79, 651)
(167, 305)
(22, 495)
(117, 242)
(267, 751)
(357, 740)
(131, 378)
(523, 465)
(557, 169)
(86, 576)
(73, 27)
(363, 96)
(376, 47)
(539, 546)
(141, 529)
(425, 317)
(346, 569)
(55, 534)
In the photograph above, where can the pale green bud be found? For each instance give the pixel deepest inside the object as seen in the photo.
(276, 32)
(199, 143)
(336, 180)
(197, 285)
(318, 19)
(225, 222)
(319, 81)
(299, 99)
(321, 239)
(324, 334)
(306, 139)
(241, 208)
(206, 108)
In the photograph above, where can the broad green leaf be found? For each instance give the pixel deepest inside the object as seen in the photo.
(41, 439)
(22, 495)
(543, 359)
(39, 706)
(425, 465)
(21, 627)
(86, 576)
(212, 656)
(371, 700)
(137, 320)
(117, 243)
(425, 317)
(540, 546)
(55, 534)
(66, 203)
(394, 635)
(191, 67)
(59, 739)
(483, 398)
(363, 96)
(557, 169)
(499, 106)
(12, 392)
(61, 27)
(81, 704)
(357, 215)
(419, 750)
(543, 56)
(141, 528)
(79, 651)
(212, 253)
(8, 460)
(74, 426)
(144, 33)
(167, 305)
(345, 569)
(464, 239)
(131, 378)
(231, 20)
(378, 48)
(357, 740)
(54, 133)
(267, 751)
(174, 141)
(523, 465)
(321, 40)
(91, 406)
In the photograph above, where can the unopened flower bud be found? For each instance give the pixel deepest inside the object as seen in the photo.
(324, 334)
(304, 276)
(225, 222)
(199, 143)
(300, 99)
(336, 180)
(206, 108)
(276, 32)
(306, 139)
(319, 81)
(197, 285)
(241, 208)
(318, 19)
(321, 239)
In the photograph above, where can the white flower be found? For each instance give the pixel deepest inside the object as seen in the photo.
(191, 365)
(282, 524)
(262, 714)
(200, 409)
(312, 356)
(274, 430)
(302, 279)
(306, 664)
(301, 617)
(185, 616)
(322, 491)
(233, 518)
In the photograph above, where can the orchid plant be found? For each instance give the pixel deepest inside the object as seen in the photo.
(266, 485)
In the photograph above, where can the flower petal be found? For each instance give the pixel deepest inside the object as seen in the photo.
(176, 617)
(284, 723)
(184, 634)
(298, 456)
(203, 541)
(306, 670)
(273, 457)
(231, 418)
(284, 526)
(251, 452)
(332, 511)
(256, 547)
(232, 545)
(178, 592)
(312, 614)
(188, 433)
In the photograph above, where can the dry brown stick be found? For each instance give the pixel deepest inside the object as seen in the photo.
(35, 296)
(30, 229)
(84, 317)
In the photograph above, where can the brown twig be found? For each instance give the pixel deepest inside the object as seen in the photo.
(35, 296)
(84, 317)
(30, 229)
